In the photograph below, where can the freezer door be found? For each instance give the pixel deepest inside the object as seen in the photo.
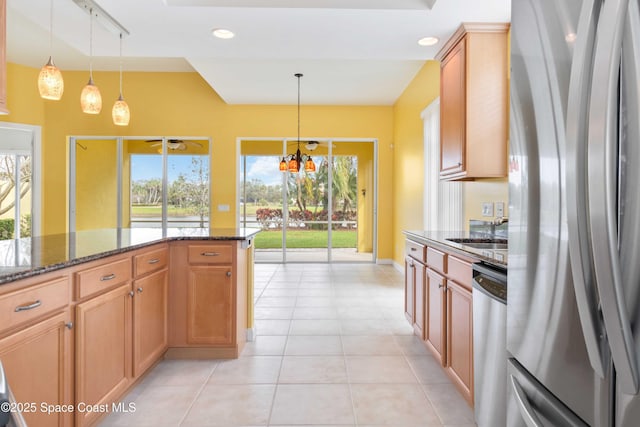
(544, 332)
(628, 405)
(531, 405)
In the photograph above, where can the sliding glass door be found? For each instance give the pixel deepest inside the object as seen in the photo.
(322, 216)
(138, 182)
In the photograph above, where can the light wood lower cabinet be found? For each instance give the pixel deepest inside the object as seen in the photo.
(103, 350)
(37, 362)
(150, 337)
(460, 338)
(435, 331)
(409, 289)
(210, 305)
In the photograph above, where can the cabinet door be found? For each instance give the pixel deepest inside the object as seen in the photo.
(435, 331)
(460, 338)
(149, 320)
(210, 306)
(103, 350)
(37, 361)
(420, 273)
(409, 289)
(452, 112)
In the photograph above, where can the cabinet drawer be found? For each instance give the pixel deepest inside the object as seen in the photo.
(103, 277)
(437, 260)
(210, 254)
(416, 250)
(35, 301)
(459, 271)
(150, 261)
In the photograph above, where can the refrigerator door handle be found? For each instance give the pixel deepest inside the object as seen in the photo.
(576, 190)
(602, 182)
(526, 410)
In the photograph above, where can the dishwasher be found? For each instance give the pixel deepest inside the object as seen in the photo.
(489, 344)
(9, 414)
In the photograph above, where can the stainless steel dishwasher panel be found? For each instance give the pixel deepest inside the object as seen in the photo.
(490, 345)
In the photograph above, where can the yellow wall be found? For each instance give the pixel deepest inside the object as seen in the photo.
(183, 104)
(408, 153)
(478, 192)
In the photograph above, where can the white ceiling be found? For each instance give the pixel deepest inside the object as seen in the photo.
(351, 52)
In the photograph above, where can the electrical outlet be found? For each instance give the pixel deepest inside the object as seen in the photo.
(500, 209)
(487, 209)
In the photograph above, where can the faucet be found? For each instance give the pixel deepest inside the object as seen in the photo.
(500, 220)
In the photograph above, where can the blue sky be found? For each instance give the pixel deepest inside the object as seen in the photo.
(263, 168)
(149, 166)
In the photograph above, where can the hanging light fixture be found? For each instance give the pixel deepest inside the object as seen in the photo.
(120, 111)
(50, 82)
(295, 160)
(90, 98)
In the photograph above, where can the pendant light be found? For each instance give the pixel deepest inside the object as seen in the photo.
(50, 82)
(90, 98)
(120, 111)
(296, 159)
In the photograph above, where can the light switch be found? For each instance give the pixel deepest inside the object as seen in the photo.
(487, 209)
(500, 209)
(223, 208)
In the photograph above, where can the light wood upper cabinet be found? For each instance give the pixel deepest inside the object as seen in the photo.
(474, 122)
(3, 57)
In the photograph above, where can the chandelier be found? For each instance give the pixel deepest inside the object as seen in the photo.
(296, 159)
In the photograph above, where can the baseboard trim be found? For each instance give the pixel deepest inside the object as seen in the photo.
(398, 266)
(384, 261)
(251, 334)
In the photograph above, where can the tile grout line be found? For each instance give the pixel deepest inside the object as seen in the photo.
(204, 384)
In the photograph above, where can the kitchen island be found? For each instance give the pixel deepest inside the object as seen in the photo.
(83, 316)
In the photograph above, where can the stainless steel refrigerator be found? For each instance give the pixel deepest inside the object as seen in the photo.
(573, 312)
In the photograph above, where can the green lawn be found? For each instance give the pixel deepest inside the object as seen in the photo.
(156, 210)
(306, 239)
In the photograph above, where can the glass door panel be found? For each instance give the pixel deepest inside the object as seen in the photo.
(352, 231)
(261, 197)
(96, 189)
(142, 183)
(187, 183)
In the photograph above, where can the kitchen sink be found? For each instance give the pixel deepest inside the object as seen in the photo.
(482, 243)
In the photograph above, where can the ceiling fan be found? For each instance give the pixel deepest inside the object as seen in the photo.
(312, 145)
(174, 144)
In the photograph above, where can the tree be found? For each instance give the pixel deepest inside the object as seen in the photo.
(198, 188)
(8, 180)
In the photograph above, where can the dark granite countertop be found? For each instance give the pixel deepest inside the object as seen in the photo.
(22, 258)
(496, 257)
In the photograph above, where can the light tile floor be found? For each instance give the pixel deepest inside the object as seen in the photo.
(333, 349)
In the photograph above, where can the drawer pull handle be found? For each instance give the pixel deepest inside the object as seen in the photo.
(210, 254)
(413, 249)
(31, 306)
(440, 286)
(108, 277)
(228, 274)
(153, 261)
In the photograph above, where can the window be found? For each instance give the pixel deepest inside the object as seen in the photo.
(19, 183)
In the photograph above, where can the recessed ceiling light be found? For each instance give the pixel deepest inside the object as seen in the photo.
(428, 41)
(571, 37)
(221, 33)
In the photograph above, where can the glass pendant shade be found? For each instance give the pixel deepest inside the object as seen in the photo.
(293, 165)
(50, 82)
(90, 99)
(309, 166)
(283, 165)
(120, 113)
